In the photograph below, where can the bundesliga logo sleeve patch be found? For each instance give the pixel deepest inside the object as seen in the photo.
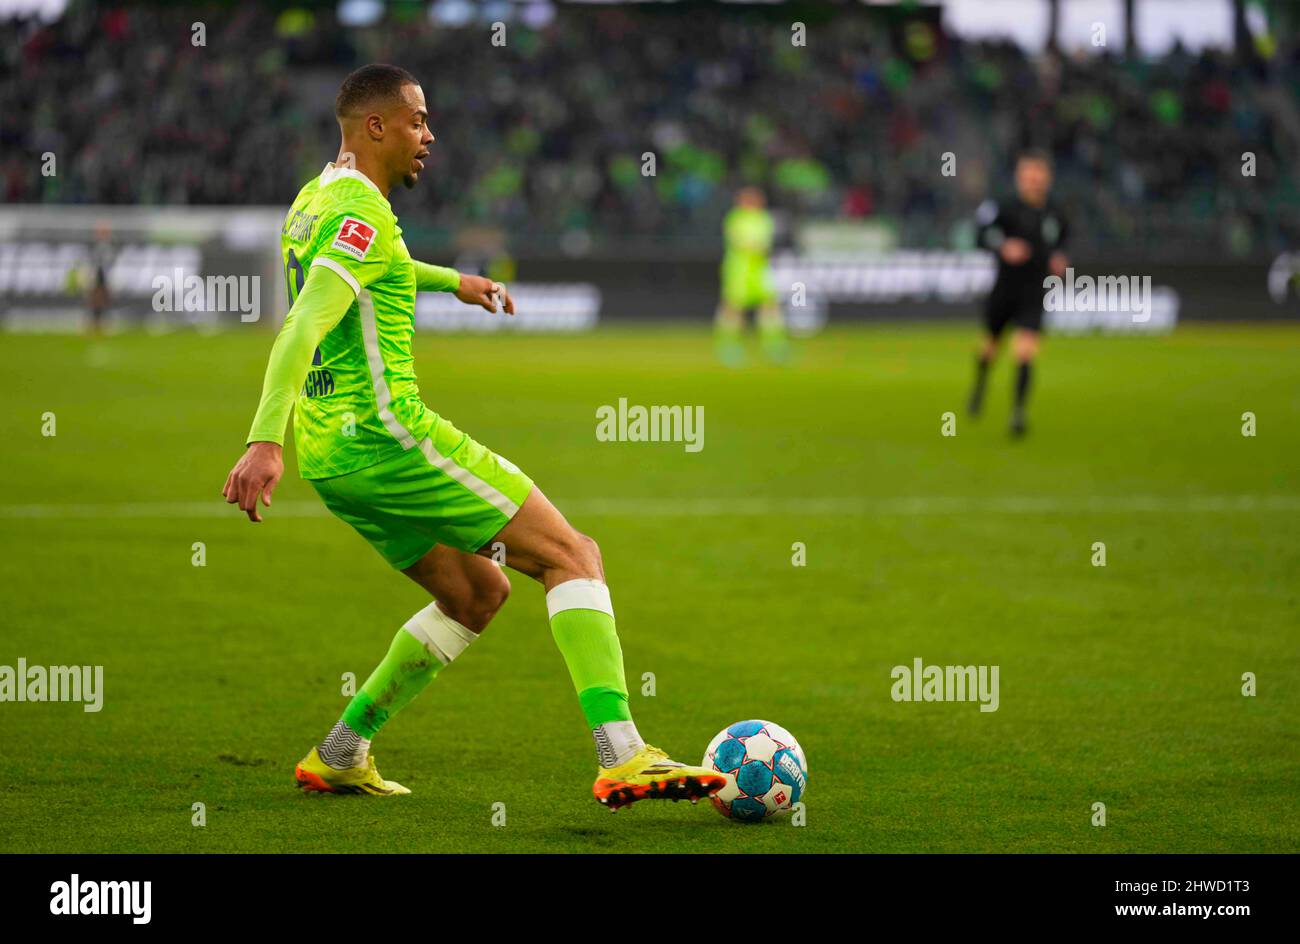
(354, 238)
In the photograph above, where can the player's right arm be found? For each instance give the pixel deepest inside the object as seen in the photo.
(991, 234)
(324, 300)
(354, 241)
(470, 289)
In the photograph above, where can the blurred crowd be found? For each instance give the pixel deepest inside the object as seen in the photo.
(547, 137)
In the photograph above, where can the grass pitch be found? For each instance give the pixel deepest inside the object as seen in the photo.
(1118, 684)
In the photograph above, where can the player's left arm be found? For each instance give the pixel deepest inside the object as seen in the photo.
(471, 289)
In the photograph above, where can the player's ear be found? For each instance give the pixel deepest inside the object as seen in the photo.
(375, 125)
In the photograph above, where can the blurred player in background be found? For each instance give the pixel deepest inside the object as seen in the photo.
(101, 260)
(1027, 234)
(746, 282)
(435, 504)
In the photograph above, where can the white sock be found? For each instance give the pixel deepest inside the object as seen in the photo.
(442, 636)
(343, 748)
(616, 742)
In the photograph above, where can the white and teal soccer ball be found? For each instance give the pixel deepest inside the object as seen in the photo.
(765, 767)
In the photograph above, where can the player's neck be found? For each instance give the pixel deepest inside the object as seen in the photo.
(348, 157)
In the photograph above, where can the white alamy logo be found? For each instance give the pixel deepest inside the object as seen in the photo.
(920, 682)
(181, 292)
(84, 683)
(1126, 293)
(635, 423)
(76, 897)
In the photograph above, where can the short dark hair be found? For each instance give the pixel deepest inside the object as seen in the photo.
(1035, 154)
(370, 85)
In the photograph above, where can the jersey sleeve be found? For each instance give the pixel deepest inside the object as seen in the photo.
(321, 304)
(356, 241)
(432, 278)
(990, 227)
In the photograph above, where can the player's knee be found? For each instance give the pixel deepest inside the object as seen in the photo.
(592, 550)
(491, 597)
(582, 554)
(475, 610)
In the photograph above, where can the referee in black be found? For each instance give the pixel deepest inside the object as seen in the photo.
(1027, 234)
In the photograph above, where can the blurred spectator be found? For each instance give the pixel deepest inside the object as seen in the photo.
(545, 136)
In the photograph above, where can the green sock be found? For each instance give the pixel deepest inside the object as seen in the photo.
(771, 332)
(582, 623)
(403, 674)
(725, 333)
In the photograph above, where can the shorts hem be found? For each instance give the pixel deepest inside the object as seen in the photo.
(413, 560)
(496, 529)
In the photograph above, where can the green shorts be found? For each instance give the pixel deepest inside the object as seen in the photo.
(447, 490)
(747, 287)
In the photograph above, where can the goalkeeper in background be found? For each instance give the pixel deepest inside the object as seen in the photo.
(747, 283)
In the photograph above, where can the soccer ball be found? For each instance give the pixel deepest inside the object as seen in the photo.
(766, 770)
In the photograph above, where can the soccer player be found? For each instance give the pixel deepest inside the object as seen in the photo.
(427, 497)
(1027, 234)
(101, 260)
(746, 281)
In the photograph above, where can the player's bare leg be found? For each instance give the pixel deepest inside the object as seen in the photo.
(771, 332)
(728, 331)
(540, 543)
(988, 352)
(98, 307)
(468, 588)
(467, 592)
(1024, 348)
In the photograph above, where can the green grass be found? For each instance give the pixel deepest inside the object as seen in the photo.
(1118, 684)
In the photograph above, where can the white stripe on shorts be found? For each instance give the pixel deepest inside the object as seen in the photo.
(384, 399)
(467, 478)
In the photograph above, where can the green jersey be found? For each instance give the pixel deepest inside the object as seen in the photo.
(359, 403)
(748, 235)
(746, 281)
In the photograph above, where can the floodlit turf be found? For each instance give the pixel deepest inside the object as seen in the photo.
(1119, 685)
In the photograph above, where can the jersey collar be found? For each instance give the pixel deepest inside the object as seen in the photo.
(332, 173)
